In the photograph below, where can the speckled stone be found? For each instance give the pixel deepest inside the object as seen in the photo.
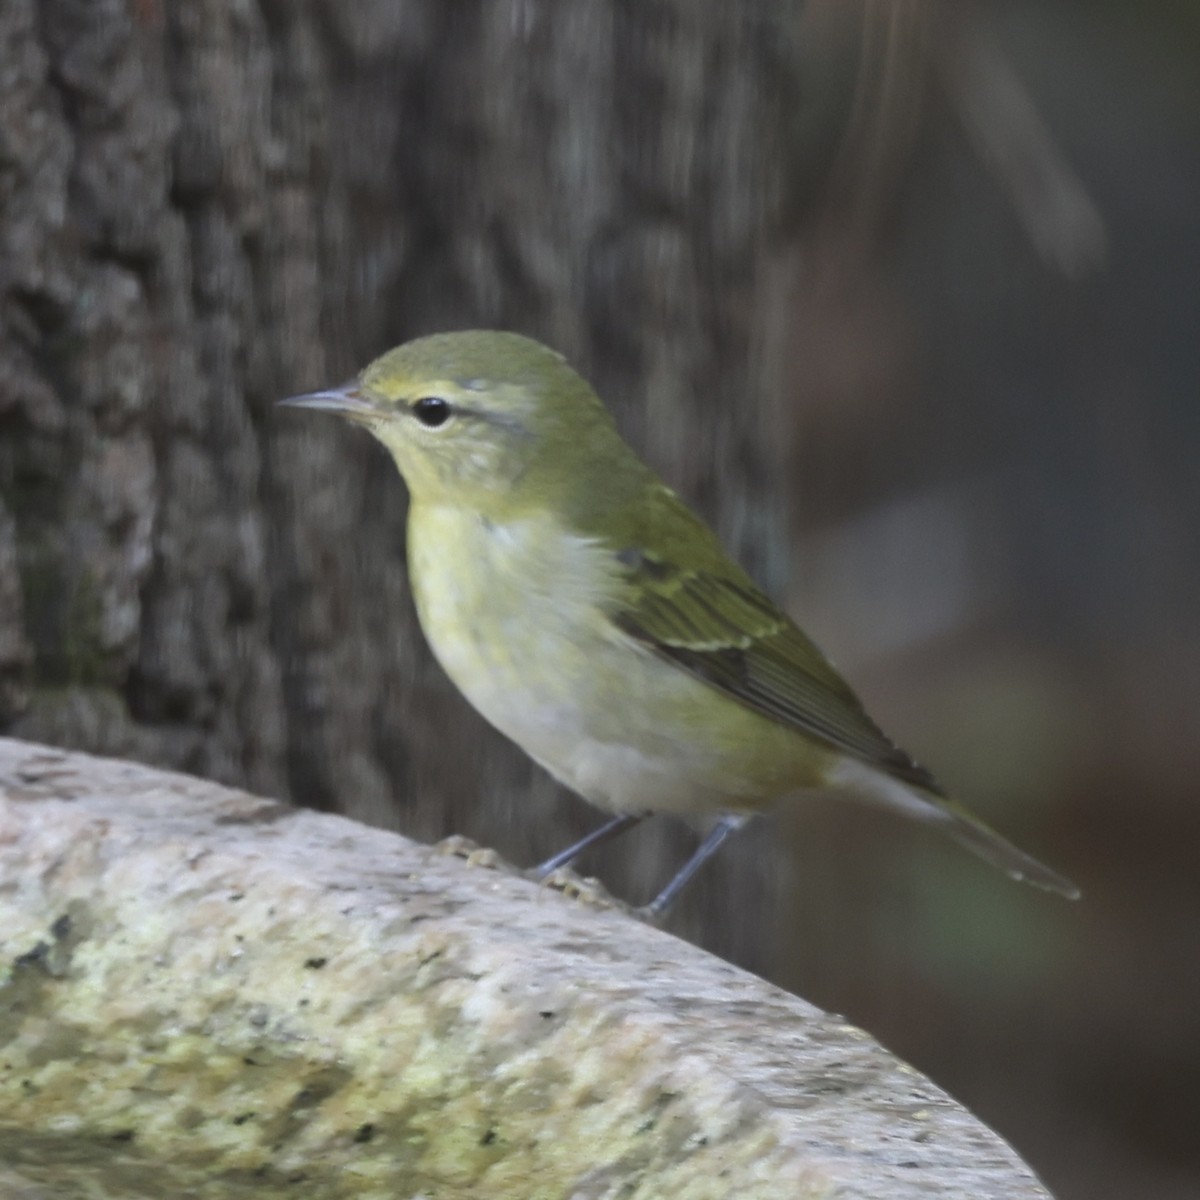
(203, 992)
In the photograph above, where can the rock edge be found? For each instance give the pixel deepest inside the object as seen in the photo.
(204, 990)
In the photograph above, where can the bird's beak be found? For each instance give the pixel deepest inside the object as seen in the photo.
(347, 400)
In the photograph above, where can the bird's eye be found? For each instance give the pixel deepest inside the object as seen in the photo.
(432, 411)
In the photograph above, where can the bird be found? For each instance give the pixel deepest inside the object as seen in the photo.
(594, 619)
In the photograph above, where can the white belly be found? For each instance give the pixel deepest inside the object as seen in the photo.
(512, 615)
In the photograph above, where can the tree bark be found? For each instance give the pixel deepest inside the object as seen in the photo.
(210, 206)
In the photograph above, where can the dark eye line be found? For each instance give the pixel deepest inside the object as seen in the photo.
(441, 410)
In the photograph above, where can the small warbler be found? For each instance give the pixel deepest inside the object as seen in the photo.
(591, 617)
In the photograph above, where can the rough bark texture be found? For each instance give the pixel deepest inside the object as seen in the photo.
(207, 993)
(208, 206)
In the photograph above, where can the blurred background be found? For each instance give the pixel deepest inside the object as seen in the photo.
(903, 295)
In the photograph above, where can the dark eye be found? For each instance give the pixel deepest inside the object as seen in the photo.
(432, 411)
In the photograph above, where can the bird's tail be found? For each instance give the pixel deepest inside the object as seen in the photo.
(968, 830)
(939, 812)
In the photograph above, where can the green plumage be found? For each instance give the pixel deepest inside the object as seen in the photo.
(724, 631)
(593, 618)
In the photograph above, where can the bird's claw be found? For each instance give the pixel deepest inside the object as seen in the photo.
(471, 852)
(588, 890)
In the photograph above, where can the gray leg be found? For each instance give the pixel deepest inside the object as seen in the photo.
(711, 844)
(608, 830)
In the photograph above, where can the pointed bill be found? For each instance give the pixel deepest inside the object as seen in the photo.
(347, 400)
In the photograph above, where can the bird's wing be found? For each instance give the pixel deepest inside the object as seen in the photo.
(718, 626)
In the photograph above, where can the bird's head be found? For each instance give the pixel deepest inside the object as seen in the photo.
(480, 417)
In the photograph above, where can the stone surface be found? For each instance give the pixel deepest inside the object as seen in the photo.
(207, 992)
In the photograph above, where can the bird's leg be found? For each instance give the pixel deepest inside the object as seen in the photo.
(609, 829)
(707, 848)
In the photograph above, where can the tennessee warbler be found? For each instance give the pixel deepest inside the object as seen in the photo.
(597, 622)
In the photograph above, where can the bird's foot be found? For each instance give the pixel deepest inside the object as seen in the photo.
(650, 913)
(588, 890)
(473, 854)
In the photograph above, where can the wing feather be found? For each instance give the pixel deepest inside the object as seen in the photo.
(718, 626)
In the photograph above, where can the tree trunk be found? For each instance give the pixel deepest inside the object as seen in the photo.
(210, 206)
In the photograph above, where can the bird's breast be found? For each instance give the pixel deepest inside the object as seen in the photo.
(516, 615)
(513, 612)
(505, 599)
